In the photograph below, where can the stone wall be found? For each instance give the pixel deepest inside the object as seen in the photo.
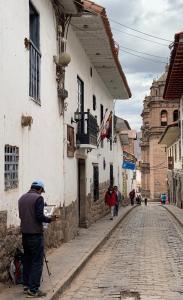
(97, 209)
(175, 187)
(64, 229)
(10, 239)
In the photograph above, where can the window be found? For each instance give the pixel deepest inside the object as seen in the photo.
(175, 152)
(94, 102)
(101, 120)
(70, 141)
(101, 113)
(110, 144)
(35, 55)
(80, 84)
(91, 71)
(11, 155)
(180, 150)
(95, 182)
(175, 115)
(164, 118)
(111, 179)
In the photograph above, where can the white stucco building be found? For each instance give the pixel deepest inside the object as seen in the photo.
(43, 133)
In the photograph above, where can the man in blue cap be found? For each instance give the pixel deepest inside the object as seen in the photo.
(31, 213)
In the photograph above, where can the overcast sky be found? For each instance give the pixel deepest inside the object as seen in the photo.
(161, 18)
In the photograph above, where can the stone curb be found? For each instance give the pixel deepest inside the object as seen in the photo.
(174, 215)
(61, 287)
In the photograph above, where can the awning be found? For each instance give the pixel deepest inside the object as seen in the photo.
(174, 82)
(120, 124)
(123, 139)
(94, 32)
(170, 135)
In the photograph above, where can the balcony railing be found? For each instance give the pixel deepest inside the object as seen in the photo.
(87, 130)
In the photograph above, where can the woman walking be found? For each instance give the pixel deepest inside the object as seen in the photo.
(110, 200)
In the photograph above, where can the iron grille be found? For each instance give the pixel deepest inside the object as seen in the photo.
(11, 167)
(34, 69)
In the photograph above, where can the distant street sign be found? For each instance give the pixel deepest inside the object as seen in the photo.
(128, 165)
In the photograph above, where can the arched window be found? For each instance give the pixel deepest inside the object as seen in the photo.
(164, 118)
(175, 115)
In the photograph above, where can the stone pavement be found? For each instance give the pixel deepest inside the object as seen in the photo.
(144, 255)
(66, 261)
(176, 212)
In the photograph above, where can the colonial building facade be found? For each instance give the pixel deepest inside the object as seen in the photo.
(174, 134)
(156, 115)
(60, 73)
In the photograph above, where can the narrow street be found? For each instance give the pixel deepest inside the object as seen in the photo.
(143, 256)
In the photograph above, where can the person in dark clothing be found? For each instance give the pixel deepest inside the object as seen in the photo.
(31, 214)
(145, 201)
(118, 200)
(132, 197)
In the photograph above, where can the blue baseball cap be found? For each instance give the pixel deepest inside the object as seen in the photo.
(38, 183)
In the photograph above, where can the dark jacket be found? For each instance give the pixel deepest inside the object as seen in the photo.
(31, 212)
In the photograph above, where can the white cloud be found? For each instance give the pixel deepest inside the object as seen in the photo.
(162, 18)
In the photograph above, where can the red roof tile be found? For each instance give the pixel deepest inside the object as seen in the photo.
(174, 82)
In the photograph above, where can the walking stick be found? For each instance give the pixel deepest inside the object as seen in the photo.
(49, 273)
(46, 263)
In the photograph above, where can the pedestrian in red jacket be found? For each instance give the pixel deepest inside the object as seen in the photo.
(110, 200)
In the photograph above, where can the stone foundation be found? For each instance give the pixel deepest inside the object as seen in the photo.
(63, 230)
(10, 239)
(175, 187)
(97, 209)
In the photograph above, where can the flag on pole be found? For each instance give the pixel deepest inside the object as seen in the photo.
(106, 130)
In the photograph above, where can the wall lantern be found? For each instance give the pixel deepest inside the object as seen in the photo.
(63, 59)
(77, 117)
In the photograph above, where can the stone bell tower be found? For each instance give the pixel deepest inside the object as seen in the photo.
(156, 115)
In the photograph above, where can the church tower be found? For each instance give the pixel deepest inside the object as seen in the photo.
(156, 115)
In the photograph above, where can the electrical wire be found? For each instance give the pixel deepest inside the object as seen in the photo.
(125, 26)
(139, 37)
(142, 52)
(145, 58)
(92, 34)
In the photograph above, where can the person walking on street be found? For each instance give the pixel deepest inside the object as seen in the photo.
(132, 197)
(145, 201)
(31, 214)
(118, 200)
(110, 200)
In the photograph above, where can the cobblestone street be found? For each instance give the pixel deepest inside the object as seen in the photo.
(143, 255)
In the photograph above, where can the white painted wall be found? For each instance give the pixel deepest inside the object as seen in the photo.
(171, 152)
(40, 148)
(80, 66)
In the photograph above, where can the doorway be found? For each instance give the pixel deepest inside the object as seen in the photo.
(82, 214)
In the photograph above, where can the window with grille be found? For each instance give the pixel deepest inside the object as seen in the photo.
(35, 55)
(95, 182)
(11, 154)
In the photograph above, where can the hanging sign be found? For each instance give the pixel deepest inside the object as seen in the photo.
(128, 165)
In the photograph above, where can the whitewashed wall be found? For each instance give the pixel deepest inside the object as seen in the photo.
(80, 66)
(118, 161)
(171, 152)
(41, 154)
(40, 148)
